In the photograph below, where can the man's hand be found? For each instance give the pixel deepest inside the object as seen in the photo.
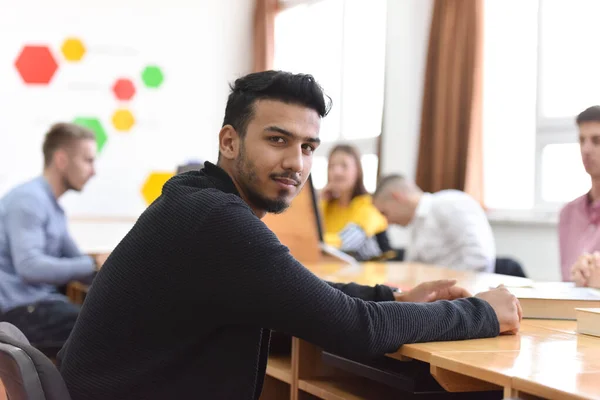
(432, 291)
(594, 280)
(586, 269)
(100, 259)
(507, 308)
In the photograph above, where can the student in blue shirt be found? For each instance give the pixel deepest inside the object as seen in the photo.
(37, 253)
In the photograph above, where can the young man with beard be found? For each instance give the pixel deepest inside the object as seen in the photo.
(184, 306)
(37, 254)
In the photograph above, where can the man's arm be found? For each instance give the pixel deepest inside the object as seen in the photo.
(25, 228)
(70, 248)
(274, 291)
(367, 293)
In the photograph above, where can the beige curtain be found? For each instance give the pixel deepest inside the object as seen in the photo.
(450, 146)
(264, 32)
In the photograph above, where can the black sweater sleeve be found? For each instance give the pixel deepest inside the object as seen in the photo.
(273, 290)
(367, 293)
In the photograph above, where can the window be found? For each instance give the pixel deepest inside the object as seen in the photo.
(370, 163)
(509, 103)
(538, 75)
(562, 174)
(567, 84)
(568, 58)
(342, 44)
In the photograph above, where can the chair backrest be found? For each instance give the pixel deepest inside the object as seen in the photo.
(191, 166)
(26, 373)
(298, 227)
(509, 266)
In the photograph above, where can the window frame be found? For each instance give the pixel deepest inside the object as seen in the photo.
(366, 146)
(558, 130)
(547, 137)
(286, 4)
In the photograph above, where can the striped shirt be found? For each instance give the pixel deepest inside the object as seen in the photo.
(451, 229)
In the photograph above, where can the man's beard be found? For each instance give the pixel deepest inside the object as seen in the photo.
(247, 174)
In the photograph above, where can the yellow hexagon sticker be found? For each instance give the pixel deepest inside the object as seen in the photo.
(73, 49)
(152, 188)
(123, 120)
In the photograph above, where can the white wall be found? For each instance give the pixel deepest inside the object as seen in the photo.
(533, 243)
(529, 240)
(200, 46)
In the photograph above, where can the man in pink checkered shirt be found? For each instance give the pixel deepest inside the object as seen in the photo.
(579, 223)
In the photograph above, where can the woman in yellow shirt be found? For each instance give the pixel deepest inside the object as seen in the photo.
(352, 223)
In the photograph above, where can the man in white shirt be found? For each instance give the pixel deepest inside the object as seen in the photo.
(448, 228)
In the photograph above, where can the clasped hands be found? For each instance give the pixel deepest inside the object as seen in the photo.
(586, 270)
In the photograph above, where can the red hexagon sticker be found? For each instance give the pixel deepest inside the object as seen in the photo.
(124, 89)
(36, 65)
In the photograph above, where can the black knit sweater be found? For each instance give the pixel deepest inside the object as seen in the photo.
(184, 305)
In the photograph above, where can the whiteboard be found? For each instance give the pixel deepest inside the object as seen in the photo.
(179, 121)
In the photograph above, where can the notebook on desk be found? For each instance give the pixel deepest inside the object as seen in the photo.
(555, 300)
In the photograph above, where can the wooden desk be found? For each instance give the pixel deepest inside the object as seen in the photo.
(408, 275)
(546, 359)
(585, 386)
(524, 363)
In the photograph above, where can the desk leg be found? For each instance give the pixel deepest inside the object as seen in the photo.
(295, 361)
(454, 382)
(306, 363)
(274, 389)
(76, 292)
(513, 394)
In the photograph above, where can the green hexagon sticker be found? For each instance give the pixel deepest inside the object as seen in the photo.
(152, 76)
(95, 125)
